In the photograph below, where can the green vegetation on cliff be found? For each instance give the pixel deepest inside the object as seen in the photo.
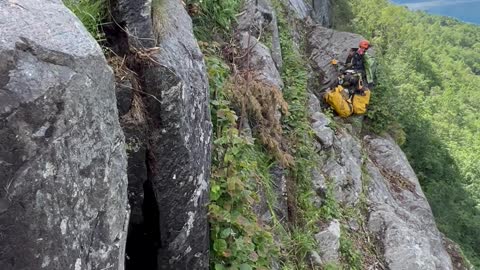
(428, 79)
(242, 181)
(91, 13)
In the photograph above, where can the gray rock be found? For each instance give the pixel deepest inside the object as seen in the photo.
(178, 132)
(353, 225)
(260, 60)
(300, 9)
(276, 48)
(280, 188)
(323, 133)
(180, 138)
(319, 183)
(322, 12)
(343, 165)
(324, 46)
(256, 17)
(388, 157)
(313, 104)
(315, 259)
(344, 168)
(62, 152)
(320, 119)
(136, 19)
(400, 215)
(329, 243)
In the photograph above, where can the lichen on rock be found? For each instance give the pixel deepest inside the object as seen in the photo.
(62, 152)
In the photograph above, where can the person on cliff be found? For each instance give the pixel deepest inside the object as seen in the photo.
(362, 63)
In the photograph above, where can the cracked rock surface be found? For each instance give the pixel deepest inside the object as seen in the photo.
(62, 153)
(177, 136)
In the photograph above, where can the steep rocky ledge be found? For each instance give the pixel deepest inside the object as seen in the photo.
(394, 227)
(397, 216)
(65, 197)
(62, 153)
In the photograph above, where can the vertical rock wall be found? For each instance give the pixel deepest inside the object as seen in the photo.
(176, 134)
(180, 139)
(322, 12)
(62, 154)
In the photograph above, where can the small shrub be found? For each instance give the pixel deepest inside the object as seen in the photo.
(260, 102)
(212, 16)
(239, 240)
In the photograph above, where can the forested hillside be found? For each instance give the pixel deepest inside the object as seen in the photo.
(427, 96)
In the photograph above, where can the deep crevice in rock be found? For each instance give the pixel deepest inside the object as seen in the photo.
(142, 240)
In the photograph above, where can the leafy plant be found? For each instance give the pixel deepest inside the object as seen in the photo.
(239, 240)
(213, 16)
(352, 258)
(91, 13)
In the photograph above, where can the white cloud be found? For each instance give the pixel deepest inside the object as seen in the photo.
(438, 3)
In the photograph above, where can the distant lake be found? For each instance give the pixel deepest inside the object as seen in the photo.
(464, 10)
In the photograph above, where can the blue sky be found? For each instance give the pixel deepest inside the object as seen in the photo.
(465, 10)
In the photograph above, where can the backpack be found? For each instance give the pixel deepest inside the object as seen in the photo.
(344, 105)
(360, 102)
(340, 104)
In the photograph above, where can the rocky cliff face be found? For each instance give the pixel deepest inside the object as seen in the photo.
(397, 214)
(62, 152)
(321, 11)
(365, 171)
(63, 162)
(167, 124)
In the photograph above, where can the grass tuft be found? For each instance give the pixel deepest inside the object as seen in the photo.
(91, 13)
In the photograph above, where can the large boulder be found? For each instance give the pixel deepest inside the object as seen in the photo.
(400, 216)
(180, 140)
(62, 153)
(320, 11)
(259, 61)
(174, 90)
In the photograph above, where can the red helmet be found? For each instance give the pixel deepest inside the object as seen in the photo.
(364, 44)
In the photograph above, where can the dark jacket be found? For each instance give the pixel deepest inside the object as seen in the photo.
(361, 63)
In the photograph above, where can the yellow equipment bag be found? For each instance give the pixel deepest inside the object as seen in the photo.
(338, 102)
(360, 103)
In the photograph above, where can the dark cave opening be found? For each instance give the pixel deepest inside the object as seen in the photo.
(143, 237)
